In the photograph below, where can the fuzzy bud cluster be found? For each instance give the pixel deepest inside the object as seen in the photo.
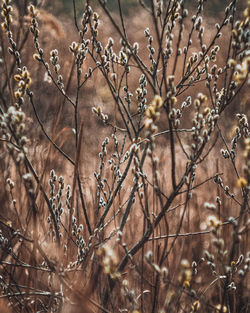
(55, 202)
(101, 182)
(136, 170)
(141, 93)
(4, 242)
(77, 234)
(152, 114)
(33, 22)
(12, 123)
(149, 258)
(243, 126)
(24, 81)
(171, 94)
(242, 71)
(102, 116)
(109, 261)
(6, 10)
(80, 52)
(168, 50)
(185, 275)
(240, 43)
(203, 122)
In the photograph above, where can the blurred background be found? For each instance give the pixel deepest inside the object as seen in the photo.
(65, 7)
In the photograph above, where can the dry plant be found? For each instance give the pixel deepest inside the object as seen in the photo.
(125, 159)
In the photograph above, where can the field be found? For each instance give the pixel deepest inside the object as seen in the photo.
(124, 156)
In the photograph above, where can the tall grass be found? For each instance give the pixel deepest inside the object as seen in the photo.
(125, 160)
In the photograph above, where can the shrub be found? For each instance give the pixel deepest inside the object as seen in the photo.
(124, 159)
